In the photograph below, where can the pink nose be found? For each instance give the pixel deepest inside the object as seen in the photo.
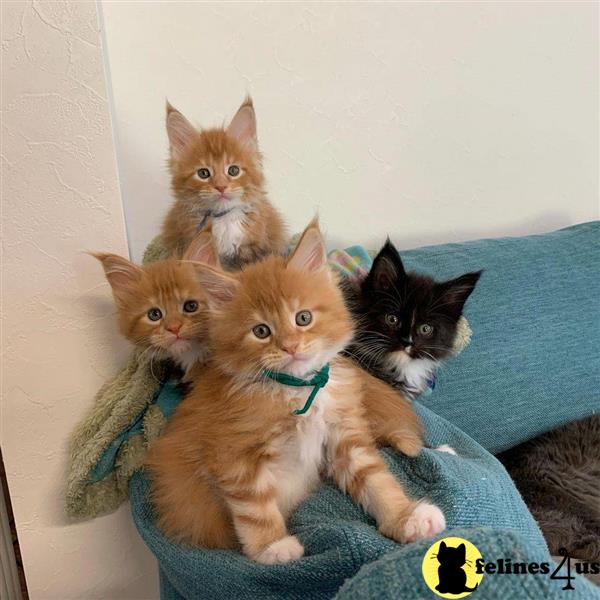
(220, 188)
(290, 348)
(174, 328)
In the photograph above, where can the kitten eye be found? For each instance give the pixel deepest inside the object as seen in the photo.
(204, 173)
(392, 320)
(261, 331)
(155, 314)
(304, 318)
(190, 306)
(233, 171)
(425, 330)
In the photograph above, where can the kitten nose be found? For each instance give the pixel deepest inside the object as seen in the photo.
(174, 328)
(290, 347)
(406, 342)
(220, 188)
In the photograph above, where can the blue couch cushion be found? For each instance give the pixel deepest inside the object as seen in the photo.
(534, 360)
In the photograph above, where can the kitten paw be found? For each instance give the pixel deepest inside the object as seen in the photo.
(281, 551)
(425, 521)
(446, 448)
(407, 444)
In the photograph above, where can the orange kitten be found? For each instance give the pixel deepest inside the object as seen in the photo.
(162, 306)
(235, 460)
(217, 177)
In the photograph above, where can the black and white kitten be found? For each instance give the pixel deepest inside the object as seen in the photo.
(406, 322)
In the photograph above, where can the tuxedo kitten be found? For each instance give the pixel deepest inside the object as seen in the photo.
(245, 446)
(406, 322)
(217, 178)
(558, 475)
(161, 306)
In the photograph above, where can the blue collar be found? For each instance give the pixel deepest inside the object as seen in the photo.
(430, 386)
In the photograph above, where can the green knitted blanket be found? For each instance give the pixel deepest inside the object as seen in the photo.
(103, 451)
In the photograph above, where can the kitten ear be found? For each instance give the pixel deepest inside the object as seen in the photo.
(121, 273)
(455, 292)
(243, 124)
(310, 253)
(180, 131)
(218, 286)
(462, 550)
(442, 545)
(202, 249)
(387, 269)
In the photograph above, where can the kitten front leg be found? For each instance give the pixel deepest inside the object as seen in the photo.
(360, 471)
(391, 416)
(258, 522)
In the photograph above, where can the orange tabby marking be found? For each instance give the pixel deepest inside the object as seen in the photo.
(234, 462)
(177, 327)
(217, 177)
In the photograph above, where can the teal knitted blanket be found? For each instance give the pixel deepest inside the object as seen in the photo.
(347, 558)
(515, 380)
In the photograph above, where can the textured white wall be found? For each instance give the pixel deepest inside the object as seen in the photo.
(60, 196)
(429, 121)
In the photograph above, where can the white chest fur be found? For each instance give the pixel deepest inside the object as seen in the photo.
(414, 373)
(297, 472)
(229, 232)
(197, 353)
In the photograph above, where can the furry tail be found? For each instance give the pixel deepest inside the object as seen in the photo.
(466, 589)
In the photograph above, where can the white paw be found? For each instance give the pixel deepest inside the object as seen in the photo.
(446, 448)
(425, 521)
(281, 551)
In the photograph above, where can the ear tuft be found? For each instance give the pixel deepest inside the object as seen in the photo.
(180, 131)
(243, 124)
(219, 287)
(122, 274)
(310, 253)
(202, 249)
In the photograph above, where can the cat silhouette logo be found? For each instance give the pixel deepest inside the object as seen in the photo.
(449, 568)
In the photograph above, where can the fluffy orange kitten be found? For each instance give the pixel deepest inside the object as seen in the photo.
(162, 306)
(235, 461)
(217, 177)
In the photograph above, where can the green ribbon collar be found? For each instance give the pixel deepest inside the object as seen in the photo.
(318, 382)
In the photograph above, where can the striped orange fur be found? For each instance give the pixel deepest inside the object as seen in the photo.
(249, 226)
(167, 285)
(234, 461)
